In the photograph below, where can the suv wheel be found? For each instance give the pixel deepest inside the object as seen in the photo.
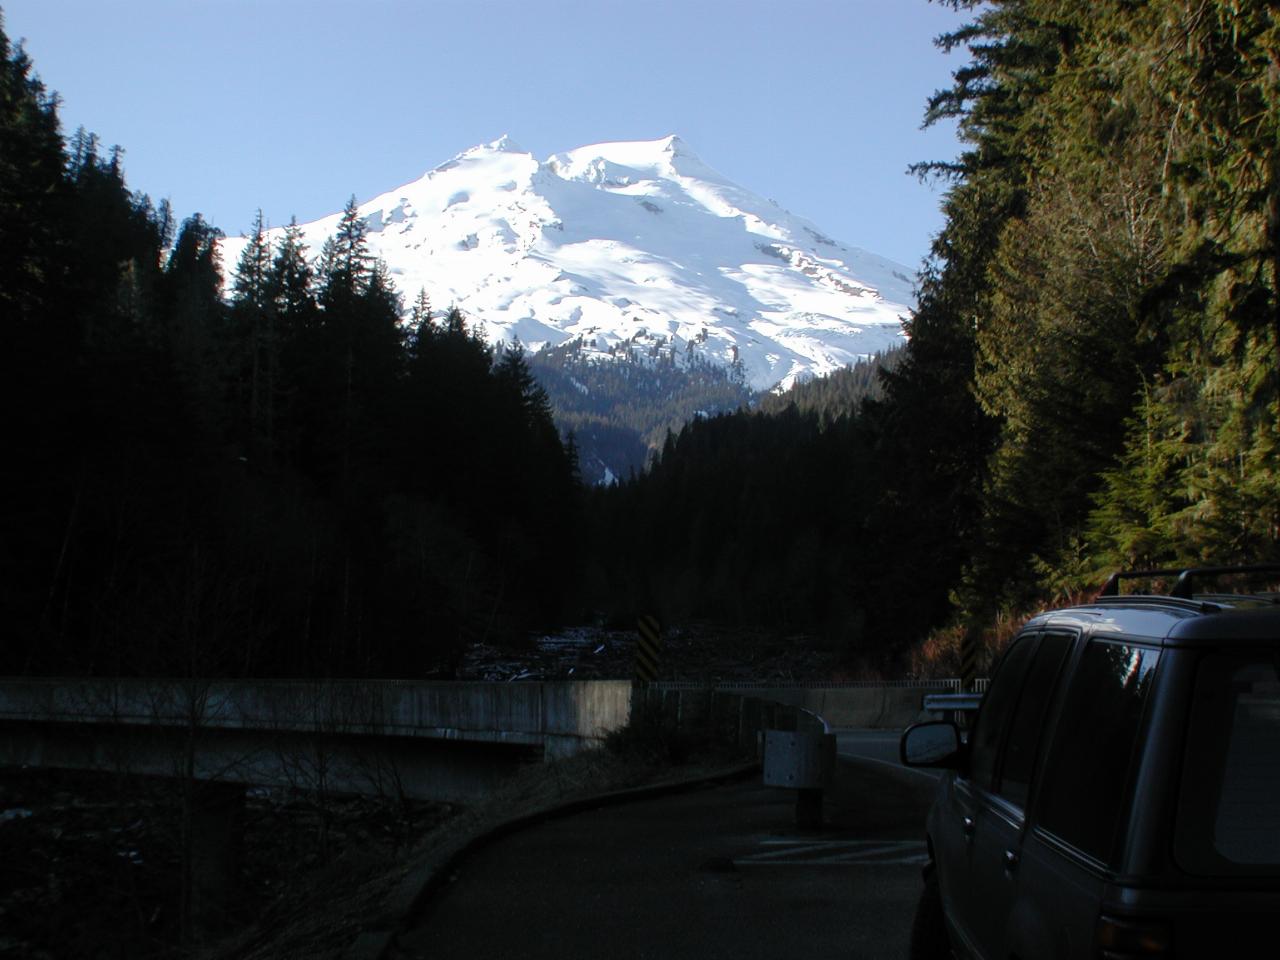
(929, 927)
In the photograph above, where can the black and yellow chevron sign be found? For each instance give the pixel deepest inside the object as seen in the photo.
(648, 649)
(968, 660)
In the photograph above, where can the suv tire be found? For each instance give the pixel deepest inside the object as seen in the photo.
(929, 927)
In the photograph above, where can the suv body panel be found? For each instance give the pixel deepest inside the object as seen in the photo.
(1047, 904)
(1061, 893)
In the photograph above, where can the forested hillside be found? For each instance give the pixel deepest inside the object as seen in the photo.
(836, 394)
(1105, 289)
(771, 518)
(1093, 374)
(294, 482)
(620, 406)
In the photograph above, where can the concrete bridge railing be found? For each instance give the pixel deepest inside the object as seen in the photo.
(436, 740)
(559, 716)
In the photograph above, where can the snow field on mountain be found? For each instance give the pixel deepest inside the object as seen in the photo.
(634, 242)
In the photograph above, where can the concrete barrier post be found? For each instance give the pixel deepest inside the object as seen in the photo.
(804, 761)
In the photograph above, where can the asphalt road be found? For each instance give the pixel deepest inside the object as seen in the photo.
(712, 873)
(878, 745)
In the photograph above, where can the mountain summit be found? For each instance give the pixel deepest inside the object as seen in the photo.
(638, 243)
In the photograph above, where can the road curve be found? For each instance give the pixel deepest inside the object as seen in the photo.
(722, 872)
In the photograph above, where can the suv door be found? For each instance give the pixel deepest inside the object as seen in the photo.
(1080, 802)
(978, 866)
(957, 808)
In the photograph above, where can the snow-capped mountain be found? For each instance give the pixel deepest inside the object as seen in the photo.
(631, 242)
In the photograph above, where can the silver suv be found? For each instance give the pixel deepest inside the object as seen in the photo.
(1119, 794)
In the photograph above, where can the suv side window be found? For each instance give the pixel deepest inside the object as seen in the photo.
(1228, 817)
(1024, 735)
(1087, 772)
(997, 707)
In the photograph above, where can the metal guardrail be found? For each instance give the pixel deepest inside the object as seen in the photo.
(952, 702)
(951, 683)
(942, 683)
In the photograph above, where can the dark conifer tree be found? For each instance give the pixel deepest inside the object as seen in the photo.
(290, 283)
(31, 186)
(420, 312)
(345, 259)
(291, 279)
(256, 345)
(196, 319)
(33, 362)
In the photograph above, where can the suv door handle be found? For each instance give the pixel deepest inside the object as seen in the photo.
(967, 823)
(1010, 860)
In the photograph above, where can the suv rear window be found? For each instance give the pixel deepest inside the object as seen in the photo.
(1229, 807)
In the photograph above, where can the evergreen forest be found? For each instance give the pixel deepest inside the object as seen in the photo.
(300, 478)
(277, 467)
(1092, 380)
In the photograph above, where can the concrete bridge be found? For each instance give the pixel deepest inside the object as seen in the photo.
(448, 741)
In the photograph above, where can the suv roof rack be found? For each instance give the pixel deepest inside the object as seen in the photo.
(1198, 605)
(1186, 577)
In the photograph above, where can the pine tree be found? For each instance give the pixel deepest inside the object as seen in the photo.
(420, 313)
(290, 280)
(253, 323)
(31, 186)
(294, 317)
(345, 263)
(196, 321)
(531, 407)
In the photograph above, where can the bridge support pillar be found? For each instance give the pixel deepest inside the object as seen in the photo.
(216, 839)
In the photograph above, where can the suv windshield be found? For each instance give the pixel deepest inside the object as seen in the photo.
(1229, 810)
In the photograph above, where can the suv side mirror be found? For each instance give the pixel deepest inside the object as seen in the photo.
(935, 743)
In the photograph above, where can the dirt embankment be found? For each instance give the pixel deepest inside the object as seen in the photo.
(91, 866)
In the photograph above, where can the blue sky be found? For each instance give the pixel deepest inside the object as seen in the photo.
(225, 106)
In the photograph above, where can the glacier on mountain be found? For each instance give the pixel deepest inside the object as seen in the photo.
(631, 243)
